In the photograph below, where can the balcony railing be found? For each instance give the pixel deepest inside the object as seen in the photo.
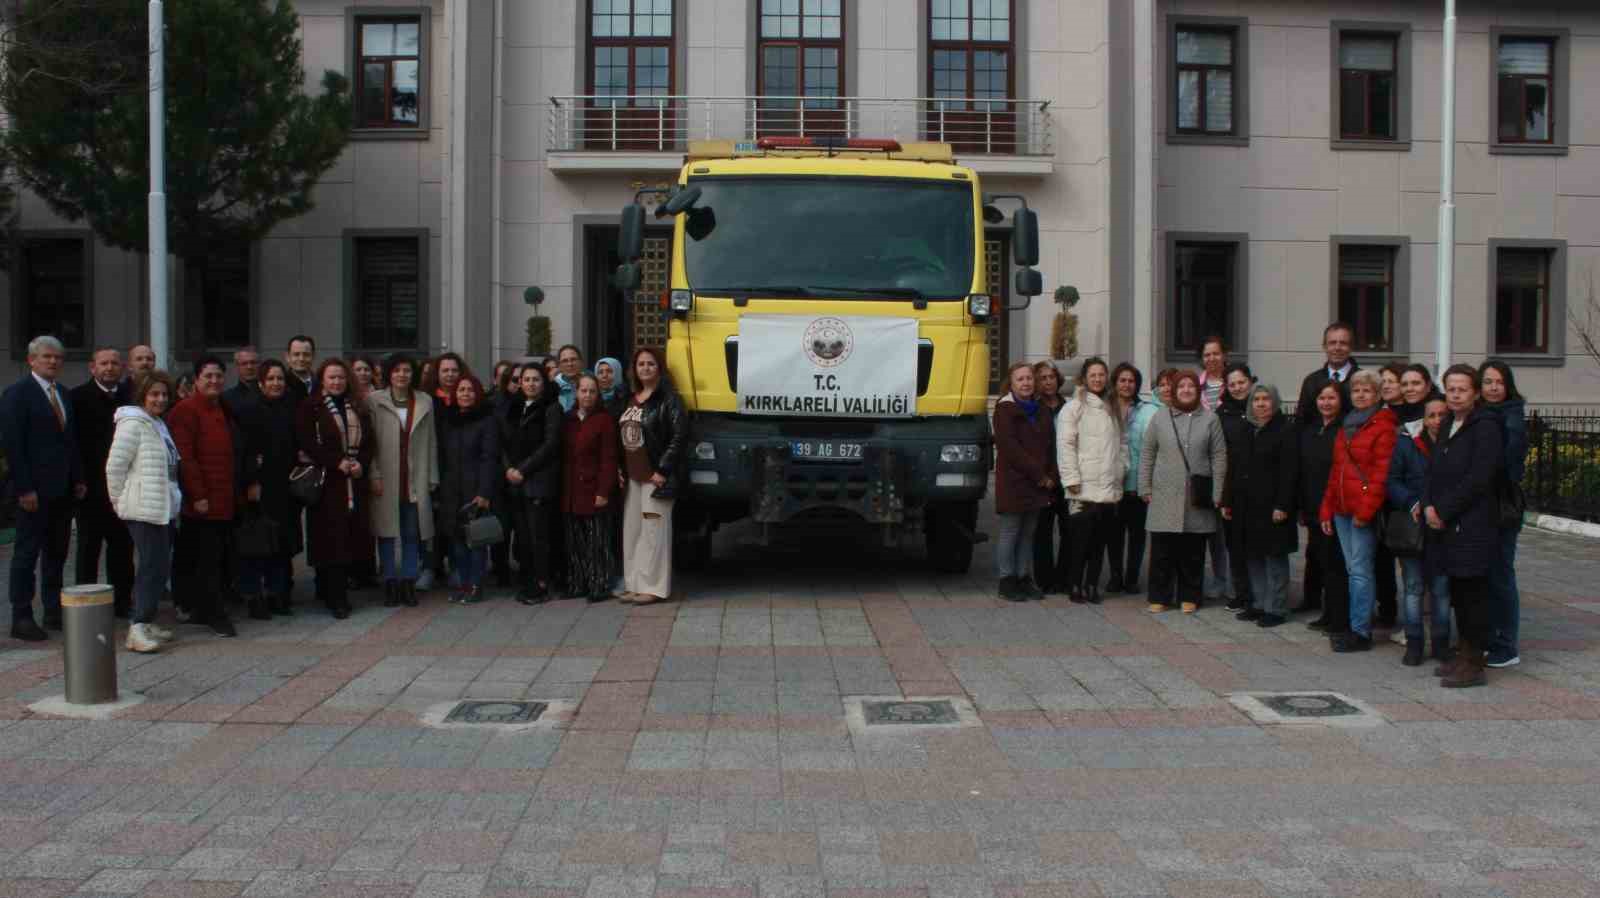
(653, 124)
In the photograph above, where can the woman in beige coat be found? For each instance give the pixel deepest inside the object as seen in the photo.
(404, 474)
(1092, 458)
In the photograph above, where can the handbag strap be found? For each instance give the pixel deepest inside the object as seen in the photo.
(1183, 451)
(1360, 473)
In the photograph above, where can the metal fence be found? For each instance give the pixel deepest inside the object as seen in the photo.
(1563, 474)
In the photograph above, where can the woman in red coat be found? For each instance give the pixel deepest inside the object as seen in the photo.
(335, 432)
(1024, 480)
(589, 481)
(1354, 498)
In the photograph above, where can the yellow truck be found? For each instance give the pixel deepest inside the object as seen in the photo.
(829, 309)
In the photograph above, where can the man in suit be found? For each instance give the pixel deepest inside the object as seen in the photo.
(36, 425)
(94, 405)
(302, 366)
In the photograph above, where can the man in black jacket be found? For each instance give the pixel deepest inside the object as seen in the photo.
(1338, 366)
(302, 362)
(94, 405)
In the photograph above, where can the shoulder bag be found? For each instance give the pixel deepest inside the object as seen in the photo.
(1200, 485)
(1512, 502)
(256, 534)
(1394, 528)
(305, 481)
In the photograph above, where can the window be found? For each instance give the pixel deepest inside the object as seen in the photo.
(630, 76)
(54, 279)
(1206, 289)
(217, 299)
(1366, 295)
(387, 289)
(1208, 89)
(1371, 86)
(1528, 306)
(1530, 87)
(389, 65)
(802, 55)
(971, 58)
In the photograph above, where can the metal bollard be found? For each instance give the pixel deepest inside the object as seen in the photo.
(89, 630)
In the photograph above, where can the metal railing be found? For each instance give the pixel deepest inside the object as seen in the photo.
(1563, 472)
(610, 123)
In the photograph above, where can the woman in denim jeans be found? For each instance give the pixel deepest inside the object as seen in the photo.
(1500, 395)
(1355, 497)
(1408, 474)
(1024, 480)
(142, 478)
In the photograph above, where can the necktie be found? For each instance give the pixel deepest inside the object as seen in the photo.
(55, 406)
(1338, 377)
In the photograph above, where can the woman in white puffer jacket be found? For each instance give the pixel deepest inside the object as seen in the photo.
(1092, 458)
(142, 478)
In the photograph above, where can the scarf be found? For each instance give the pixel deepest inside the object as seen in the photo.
(619, 384)
(349, 425)
(1030, 408)
(1409, 411)
(1355, 418)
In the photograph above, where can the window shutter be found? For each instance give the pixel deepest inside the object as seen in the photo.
(1205, 47)
(1364, 264)
(1524, 57)
(1371, 54)
(1522, 268)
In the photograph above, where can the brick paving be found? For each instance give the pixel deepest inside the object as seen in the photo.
(700, 749)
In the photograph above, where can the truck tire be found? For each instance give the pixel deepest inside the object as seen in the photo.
(948, 530)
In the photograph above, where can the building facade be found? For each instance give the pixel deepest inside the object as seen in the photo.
(1249, 168)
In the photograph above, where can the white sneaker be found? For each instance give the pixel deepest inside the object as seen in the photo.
(424, 580)
(1398, 637)
(141, 640)
(159, 632)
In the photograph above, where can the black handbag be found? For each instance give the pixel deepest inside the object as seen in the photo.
(256, 536)
(1402, 535)
(1512, 502)
(1200, 485)
(305, 484)
(480, 528)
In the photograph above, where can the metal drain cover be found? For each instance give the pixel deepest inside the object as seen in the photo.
(1318, 705)
(1314, 708)
(502, 712)
(901, 713)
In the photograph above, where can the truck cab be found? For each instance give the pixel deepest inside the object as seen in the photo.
(828, 311)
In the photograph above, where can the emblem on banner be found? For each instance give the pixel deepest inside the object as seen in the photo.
(828, 342)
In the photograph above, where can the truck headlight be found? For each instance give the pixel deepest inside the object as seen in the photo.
(980, 305)
(705, 451)
(681, 302)
(959, 452)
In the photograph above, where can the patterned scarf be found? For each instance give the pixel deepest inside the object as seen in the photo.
(349, 423)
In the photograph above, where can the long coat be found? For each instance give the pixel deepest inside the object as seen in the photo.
(589, 455)
(1263, 466)
(469, 462)
(92, 412)
(530, 441)
(422, 462)
(340, 532)
(1461, 488)
(1024, 455)
(1173, 436)
(266, 428)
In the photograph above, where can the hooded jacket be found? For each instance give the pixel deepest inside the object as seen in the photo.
(141, 468)
(1089, 449)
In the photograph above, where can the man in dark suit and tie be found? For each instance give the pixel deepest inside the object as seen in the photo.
(302, 357)
(36, 423)
(94, 405)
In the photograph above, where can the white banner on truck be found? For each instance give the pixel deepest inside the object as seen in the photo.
(828, 366)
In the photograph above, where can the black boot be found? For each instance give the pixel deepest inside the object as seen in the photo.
(281, 605)
(1076, 596)
(1413, 656)
(408, 593)
(1441, 649)
(259, 610)
(1091, 594)
(1008, 590)
(1114, 585)
(391, 594)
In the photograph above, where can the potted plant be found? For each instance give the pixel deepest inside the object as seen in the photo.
(538, 325)
(1064, 329)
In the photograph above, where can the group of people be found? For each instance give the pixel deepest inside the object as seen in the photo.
(1386, 471)
(374, 469)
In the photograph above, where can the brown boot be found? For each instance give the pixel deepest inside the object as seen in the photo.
(1469, 669)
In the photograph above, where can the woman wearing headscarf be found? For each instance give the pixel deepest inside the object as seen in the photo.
(335, 433)
(1051, 556)
(1024, 479)
(1355, 498)
(1259, 501)
(1091, 459)
(1500, 396)
(1182, 443)
(609, 373)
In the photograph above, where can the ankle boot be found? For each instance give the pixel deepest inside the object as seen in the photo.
(1468, 670)
(280, 604)
(391, 594)
(1091, 594)
(259, 609)
(1441, 649)
(408, 593)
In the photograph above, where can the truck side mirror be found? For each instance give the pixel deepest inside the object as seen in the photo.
(1028, 282)
(681, 201)
(630, 238)
(628, 277)
(1025, 237)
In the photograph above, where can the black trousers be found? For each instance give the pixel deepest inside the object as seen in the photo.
(1238, 571)
(1091, 529)
(533, 520)
(333, 583)
(197, 566)
(1177, 567)
(1469, 597)
(98, 524)
(1125, 546)
(1332, 587)
(43, 538)
(1049, 554)
(1383, 571)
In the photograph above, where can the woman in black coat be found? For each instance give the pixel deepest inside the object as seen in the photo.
(1229, 573)
(1461, 510)
(1259, 501)
(267, 453)
(530, 453)
(469, 477)
(1327, 584)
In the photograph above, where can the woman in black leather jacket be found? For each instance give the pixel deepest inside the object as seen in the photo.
(654, 429)
(530, 452)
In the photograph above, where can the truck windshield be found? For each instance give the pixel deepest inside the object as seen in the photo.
(810, 236)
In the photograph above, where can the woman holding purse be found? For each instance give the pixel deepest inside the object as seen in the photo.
(335, 433)
(1181, 471)
(469, 477)
(267, 432)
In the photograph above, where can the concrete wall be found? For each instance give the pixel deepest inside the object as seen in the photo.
(1290, 190)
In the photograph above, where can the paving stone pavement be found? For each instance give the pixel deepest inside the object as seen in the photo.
(704, 750)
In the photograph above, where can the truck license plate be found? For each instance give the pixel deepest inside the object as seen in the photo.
(824, 450)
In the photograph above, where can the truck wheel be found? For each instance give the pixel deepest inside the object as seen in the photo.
(948, 533)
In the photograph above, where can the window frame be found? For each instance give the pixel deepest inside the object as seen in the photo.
(354, 17)
(1401, 33)
(1240, 26)
(1560, 92)
(801, 44)
(351, 239)
(631, 42)
(1238, 330)
(970, 47)
(186, 349)
(19, 294)
(1399, 291)
(1555, 352)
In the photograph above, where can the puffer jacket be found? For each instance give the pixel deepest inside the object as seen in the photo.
(1361, 469)
(204, 436)
(1089, 450)
(140, 468)
(1133, 437)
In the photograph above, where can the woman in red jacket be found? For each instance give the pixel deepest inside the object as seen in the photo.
(1354, 498)
(589, 480)
(204, 439)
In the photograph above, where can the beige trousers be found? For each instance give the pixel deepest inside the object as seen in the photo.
(646, 542)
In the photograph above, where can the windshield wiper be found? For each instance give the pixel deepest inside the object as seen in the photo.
(907, 292)
(765, 290)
